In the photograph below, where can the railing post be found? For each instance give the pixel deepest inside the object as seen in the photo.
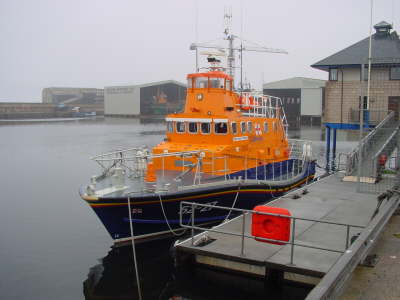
(292, 240)
(193, 207)
(243, 228)
(347, 236)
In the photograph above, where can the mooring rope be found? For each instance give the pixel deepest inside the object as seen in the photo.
(134, 250)
(166, 220)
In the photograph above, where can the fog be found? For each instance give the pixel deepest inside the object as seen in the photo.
(78, 43)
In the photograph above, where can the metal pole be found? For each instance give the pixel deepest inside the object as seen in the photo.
(334, 150)
(361, 130)
(328, 146)
(292, 241)
(243, 228)
(134, 250)
(192, 223)
(347, 236)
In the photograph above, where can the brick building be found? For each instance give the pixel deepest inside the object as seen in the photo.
(348, 75)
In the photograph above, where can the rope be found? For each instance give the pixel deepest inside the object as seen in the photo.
(233, 205)
(166, 220)
(134, 250)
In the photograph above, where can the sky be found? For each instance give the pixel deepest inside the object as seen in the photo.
(97, 43)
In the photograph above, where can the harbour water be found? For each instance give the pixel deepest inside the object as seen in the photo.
(52, 246)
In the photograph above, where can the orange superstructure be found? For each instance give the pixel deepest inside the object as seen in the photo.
(247, 128)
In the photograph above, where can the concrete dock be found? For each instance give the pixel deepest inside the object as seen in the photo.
(318, 246)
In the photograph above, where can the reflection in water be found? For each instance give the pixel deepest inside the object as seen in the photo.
(114, 278)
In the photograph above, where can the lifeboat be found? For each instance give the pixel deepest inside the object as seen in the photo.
(226, 148)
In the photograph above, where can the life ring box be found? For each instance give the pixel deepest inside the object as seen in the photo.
(271, 227)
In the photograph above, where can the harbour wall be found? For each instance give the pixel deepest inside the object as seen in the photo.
(11, 110)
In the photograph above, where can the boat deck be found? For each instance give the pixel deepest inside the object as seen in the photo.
(329, 199)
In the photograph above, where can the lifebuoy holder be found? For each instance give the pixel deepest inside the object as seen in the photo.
(274, 227)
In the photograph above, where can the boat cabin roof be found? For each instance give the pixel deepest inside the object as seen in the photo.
(212, 74)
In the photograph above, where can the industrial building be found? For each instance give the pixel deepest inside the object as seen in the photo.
(71, 96)
(156, 98)
(302, 99)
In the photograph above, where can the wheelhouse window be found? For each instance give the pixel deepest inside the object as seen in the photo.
(217, 83)
(201, 82)
(234, 127)
(265, 127)
(243, 127)
(192, 127)
(333, 74)
(221, 128)
(228, 85)
(170, 126)
(395, 73)
(180, 127)
(249, 126)
(189, 83)
(205, 128)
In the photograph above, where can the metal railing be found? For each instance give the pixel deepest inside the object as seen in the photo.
(193, 206)
(368, 143)
(134, 163)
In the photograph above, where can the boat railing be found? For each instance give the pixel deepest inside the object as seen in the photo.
(202, 165)
(256, 104)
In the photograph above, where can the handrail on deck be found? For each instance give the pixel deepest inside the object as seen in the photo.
(243, 212)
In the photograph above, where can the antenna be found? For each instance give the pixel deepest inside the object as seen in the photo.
(196, 29)
(231, 48)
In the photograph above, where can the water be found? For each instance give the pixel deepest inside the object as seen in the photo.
(51, 241)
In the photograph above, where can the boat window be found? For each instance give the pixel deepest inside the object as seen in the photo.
(180, 127)
(201, 82)
(228, 85)
(205, 128)
(190, 83)
(249, 126)
(234, 127)
(243, 127)
(217, 83)
(170, 126)
(193, 127)
(265, 127)
(221, 128)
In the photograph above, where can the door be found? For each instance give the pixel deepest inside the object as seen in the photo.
(393, 104)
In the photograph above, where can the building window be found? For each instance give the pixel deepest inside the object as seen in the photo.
(205, 128)
(365, 76)
(221, 128)
(234, 128)
(180, 127)
(333, 74)
(192, 127)
(395, 73)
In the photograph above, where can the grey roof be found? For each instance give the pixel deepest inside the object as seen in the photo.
(295, 83)
(149, 84)
(385, 50)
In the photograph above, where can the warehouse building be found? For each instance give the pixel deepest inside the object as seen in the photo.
(70, 95)
(302, 99)
(157, 98)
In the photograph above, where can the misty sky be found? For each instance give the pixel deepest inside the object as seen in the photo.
(97, 43)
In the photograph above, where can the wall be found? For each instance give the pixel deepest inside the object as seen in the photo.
(380, 90)
(122, 100)
(311, 102)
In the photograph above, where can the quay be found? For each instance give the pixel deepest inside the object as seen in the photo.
(334, 224)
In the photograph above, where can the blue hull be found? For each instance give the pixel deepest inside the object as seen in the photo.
(148, 209)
